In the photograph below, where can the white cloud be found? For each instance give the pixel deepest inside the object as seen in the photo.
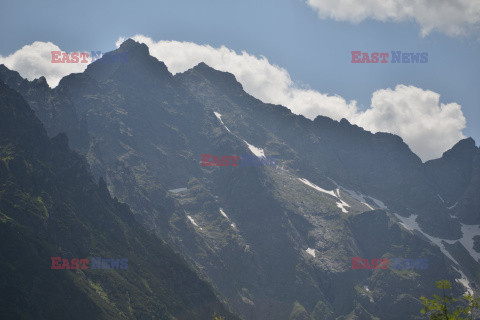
(452, 17)
(426, 125)
(35, 60)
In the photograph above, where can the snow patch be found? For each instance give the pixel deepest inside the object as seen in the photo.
(226, 217)
(342, 204)
(357, 196)
(450, 208)
(193, 222)
(334, 193)
(368, 294)
(379, 203)
(360, 197)
(311, 252)
(177, 190)
(219, 117)
(224, 214)
(411, 224)
(464, 282)
(470, 231)
(440, 198)
(256, 151)
(314, 186)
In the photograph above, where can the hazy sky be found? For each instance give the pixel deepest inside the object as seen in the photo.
(292, 52)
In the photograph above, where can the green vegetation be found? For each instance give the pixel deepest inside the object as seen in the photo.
(447, 307)
(215, 317)
(298, 312)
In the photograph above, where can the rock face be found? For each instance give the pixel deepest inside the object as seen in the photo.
(469, 203)
(50, 206)
(276, 242)
(452, 173)
(456, 177)
(55, 110)
(476, 243)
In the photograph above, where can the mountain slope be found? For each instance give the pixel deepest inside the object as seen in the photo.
(51, 207)
(380, 165)
(277, 241)
(456, 177)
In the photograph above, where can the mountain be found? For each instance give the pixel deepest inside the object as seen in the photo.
(456, 178)
(276, 241)
(57, 113)
(50, 206)
(380, 165)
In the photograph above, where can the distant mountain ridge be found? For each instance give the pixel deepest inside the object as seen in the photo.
(271, 241)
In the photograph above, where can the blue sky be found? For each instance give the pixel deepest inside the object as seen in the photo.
(316, 52)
